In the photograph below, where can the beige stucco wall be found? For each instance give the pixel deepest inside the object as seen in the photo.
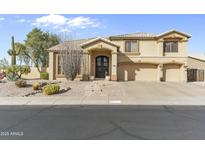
(148, 48)
(139, 59)
(52, 66)
(33, 75)
(136, 66)
(99, 45)
(121, 43)
(155, 47)
(195, 63)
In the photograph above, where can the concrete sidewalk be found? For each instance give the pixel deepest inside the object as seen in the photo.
(102, 100)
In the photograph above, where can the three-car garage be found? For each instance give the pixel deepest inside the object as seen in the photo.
(190, 70)
(149, 72)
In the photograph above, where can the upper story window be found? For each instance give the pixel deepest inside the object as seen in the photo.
(171, 46)
(131, 46)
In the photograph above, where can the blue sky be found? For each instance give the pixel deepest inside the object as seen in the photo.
(83, 26)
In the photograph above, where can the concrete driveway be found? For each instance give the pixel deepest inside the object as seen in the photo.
(169, 93)
(162, 89)
(125, 93)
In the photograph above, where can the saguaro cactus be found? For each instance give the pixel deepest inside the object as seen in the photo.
(12, 52)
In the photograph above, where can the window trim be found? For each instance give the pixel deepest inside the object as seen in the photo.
(171, 51)
(137, 41)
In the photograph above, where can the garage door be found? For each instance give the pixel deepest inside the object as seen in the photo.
(137, 72)
(172, 72)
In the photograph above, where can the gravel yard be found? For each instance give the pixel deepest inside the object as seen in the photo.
(148, 90)
(77, 88)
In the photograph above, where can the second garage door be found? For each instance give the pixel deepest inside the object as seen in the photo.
(137, 72)
(172, 72)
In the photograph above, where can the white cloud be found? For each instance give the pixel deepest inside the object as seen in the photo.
(2, 19)
(50, 20)
(81, 22)
(65, 30)
(96, 25)
(21, 20)
(64, 24)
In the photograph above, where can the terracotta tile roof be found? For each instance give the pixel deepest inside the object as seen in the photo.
(172, 31)
(142, 35)
(139, 35)
(62, 46)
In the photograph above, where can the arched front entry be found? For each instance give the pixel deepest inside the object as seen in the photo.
(102, 66)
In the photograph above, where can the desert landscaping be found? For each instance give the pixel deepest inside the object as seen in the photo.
(128, 89)
(67, 88)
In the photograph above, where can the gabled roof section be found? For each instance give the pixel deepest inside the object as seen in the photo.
(174, 31)
(200, 58)
(98, 39)
(144, 35)
(64, 45)
(81, 43)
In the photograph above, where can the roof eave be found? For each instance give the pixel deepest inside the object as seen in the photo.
(132, 38)
(98, 39)
(174, 31)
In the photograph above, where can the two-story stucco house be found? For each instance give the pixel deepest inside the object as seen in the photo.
(136, 56)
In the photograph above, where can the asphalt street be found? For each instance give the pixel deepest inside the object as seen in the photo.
(102, 122)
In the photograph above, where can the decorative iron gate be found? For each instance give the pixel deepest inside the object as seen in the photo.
(195, 75)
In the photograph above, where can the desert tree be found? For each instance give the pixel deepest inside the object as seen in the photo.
(70, 56)
(36, 44)
(3, 64)
(34, 48)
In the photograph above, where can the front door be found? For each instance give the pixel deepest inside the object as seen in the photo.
(102, 67)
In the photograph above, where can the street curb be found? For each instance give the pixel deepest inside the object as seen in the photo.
(100, 100)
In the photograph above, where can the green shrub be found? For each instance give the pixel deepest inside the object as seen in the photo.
(51, 89)
(11, 77)
(21, 83)
(44, 75)
(36, 86)
(15, 71)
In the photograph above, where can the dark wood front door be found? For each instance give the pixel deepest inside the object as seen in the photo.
(102, 67)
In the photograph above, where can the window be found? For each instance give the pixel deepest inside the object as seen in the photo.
(131, 46)
(171, 46)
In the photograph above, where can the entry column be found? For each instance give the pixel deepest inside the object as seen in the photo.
(114, 66)
(86, 65)
(159, 72)
(52, 66)
(184, 72)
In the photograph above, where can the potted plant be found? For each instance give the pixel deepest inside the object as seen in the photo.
(107, 77)
(92, 77)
